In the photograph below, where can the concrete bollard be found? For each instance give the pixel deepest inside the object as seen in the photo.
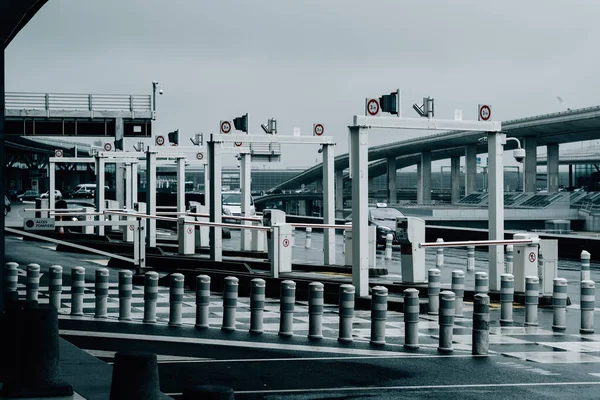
(559, 304)
(411, 318)
(11, 276)
(77, 290)
(315, 310)
(135, 376)
(532, 290)
(389, 241)
(150, 296)
(208, 392)
(176, 299)
(55, 286)
(38, 370)
(458, 288)
(481, 325)
(230, 296)
(125, 294)
(588, 298)
(286, 308)
(33, 282)
(508, 268)
(507, 294)
(585, 266)
(202, 301)
(470, 258)
(439, 255)
(101, 289)
(346, 310)
(481, 283)
(308, 242)
(433, 290)
(446, 321)
(257, 305)
(378, 314)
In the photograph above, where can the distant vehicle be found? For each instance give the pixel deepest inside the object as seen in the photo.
(57, 195)
(84, 191)
(29, 195)
(384, 218)
(232, 204)
(6, 206)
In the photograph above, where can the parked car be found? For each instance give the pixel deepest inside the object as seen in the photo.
(29, 195)
(57, 195)
(84, 191)
(6, 206)
(384, 218)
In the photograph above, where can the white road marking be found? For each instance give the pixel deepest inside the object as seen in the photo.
(238, 343)
(161, 358)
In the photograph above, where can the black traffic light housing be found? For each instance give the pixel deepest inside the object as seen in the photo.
(389, 103)
(174, 137)
(241, 123)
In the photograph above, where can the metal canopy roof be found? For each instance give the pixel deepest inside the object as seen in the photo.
(562, 127)
(14, 15)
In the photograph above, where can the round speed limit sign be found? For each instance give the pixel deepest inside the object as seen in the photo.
(318, 129)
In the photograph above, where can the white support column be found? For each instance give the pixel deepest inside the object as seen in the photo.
(426, 176)
(180, 184)
(215, 203)
(419, 183)
(99, 194)
(52, 182)
(206, 185)
(128, 187)
(245, 185)
(391, 180)
(134, 183)
(339, 190)
(151, 196)
(119, 139)
(496, 143)
(552, 167)
(328, 205)
(359, 146)
(530, 164)
(455, 178)
(470, 169)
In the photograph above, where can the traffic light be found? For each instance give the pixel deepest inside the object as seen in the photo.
(389, 103)
(241, 123)
(174, 137)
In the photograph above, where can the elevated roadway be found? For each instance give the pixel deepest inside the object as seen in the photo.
(562, 127)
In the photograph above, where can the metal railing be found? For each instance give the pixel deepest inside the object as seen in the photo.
(78, 102)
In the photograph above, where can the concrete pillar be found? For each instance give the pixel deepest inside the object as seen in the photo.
(328, 204)
(455, 178)
(552, 167)
(391, 180)
(530, 164)
(425, 176)
(470, 168)
(419, 184)
(339, 189)
(119, 171)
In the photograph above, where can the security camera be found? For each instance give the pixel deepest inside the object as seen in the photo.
(160, 91)
(519, 155)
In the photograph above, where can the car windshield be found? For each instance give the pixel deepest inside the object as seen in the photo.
(383, 214)
(234, 199)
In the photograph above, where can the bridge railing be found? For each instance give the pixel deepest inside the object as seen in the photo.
(77, 102)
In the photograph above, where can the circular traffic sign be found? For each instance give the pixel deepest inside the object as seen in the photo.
(199, 156)
(29, 223)
(225, 127)
(286, 242)
(532, 257)
(58, 153)
(107, 146)
(238, 144)
(131, 228)
(373, 107)
(485, 112)
(319, 129)
(190, 230)
(160, 140)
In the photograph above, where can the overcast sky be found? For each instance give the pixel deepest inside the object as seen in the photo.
(314, 60)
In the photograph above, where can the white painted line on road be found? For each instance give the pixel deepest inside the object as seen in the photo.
(426, 387)
(239, 343)
(161, 358)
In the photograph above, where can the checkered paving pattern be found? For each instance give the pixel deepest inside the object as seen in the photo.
(535, 344)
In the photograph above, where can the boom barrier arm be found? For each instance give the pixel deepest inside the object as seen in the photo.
(479, 243)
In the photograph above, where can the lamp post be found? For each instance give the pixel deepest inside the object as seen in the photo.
(155, 85)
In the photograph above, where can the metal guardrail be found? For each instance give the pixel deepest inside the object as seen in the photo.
(78, 102)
